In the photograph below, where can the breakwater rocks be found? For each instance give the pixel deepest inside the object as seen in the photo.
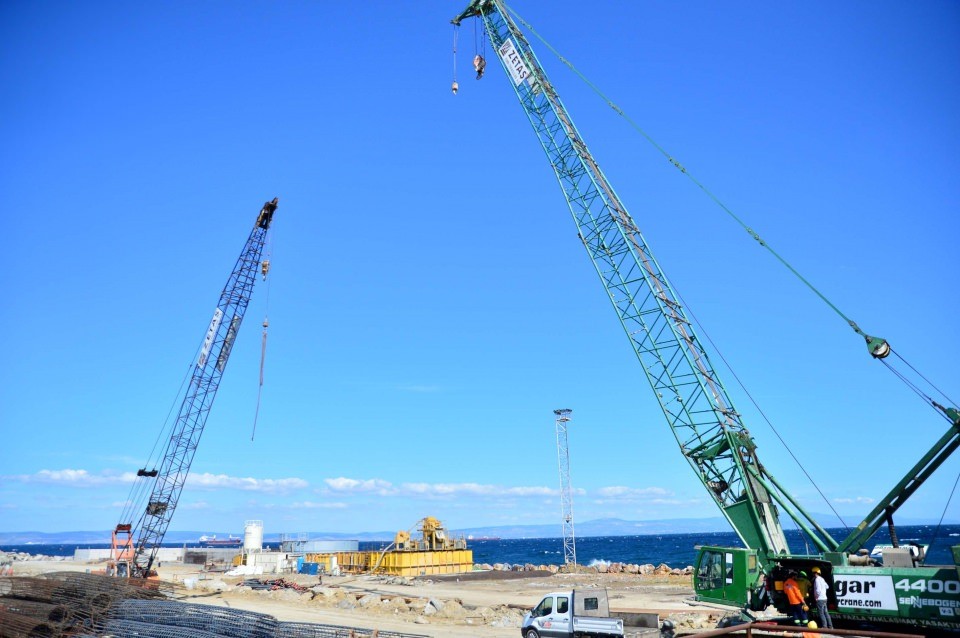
(596, 567)
(11, 557)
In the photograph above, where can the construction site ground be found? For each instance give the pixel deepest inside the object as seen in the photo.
(479, 604)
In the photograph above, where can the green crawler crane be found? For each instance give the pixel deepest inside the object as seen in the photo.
(707, 426)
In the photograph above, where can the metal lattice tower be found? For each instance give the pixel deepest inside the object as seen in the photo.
(566, 494)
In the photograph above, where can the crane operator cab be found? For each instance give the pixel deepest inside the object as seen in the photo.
(726, 576)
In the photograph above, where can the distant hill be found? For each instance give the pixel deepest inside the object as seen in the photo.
(602, 527)
(597, 527)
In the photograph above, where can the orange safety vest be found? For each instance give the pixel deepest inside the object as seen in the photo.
(792, 590)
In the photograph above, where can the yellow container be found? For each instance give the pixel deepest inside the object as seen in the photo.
(426, 563)
(400, 563)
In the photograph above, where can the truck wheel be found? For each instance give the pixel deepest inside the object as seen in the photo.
(531, 633)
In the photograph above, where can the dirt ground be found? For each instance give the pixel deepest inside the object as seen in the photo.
(477, 605)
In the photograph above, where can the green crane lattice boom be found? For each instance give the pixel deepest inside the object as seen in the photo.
(702, 417)
(701, 414)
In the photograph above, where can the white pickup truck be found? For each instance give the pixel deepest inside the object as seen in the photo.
(583, 613)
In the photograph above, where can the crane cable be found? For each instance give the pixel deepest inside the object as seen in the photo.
(872, 341)
(139, 490)
(264, 270)
(456, 32)
(763, 414)
(700, 327)
(913, 386)
(263, 354)
(936, 531)
(682, 301)
(479, 48)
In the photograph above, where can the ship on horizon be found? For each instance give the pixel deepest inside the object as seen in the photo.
(213, 541)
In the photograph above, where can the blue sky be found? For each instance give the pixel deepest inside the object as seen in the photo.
(430, 304)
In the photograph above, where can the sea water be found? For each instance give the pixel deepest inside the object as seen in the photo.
(675, 550)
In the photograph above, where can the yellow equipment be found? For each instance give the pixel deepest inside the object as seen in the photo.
(434, 553)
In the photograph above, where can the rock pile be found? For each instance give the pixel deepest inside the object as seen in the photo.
(597, 567)
(13, 557)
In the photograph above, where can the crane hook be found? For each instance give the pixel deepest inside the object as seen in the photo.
(265, 268)
(480, 65)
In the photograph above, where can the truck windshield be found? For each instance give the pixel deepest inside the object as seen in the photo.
(545, 607)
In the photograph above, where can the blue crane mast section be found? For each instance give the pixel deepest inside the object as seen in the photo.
(198, 399)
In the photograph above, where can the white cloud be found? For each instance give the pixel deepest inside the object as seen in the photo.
(343, 484)
(85, 479)
(248, 484)
(75, 478)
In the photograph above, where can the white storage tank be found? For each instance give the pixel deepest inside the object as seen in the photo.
(252, 536)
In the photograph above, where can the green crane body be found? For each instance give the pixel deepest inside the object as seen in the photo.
(707, 426)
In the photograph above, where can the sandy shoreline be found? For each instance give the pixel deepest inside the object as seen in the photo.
(489, 606)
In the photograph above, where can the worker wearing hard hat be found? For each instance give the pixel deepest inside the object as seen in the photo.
(820, 588)
(811, 634)
(795, 599)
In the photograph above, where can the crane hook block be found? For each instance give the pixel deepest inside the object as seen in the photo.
(265, 268)
(480, 65)
(878, 347)
(455, 87)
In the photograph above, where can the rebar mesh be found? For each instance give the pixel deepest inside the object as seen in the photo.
(79, 605)
(223, 621)
(41, 611)
(313, 630)
(77, 584)
(135, 629)
(19, 626)
(61, 603)
(25, 588)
